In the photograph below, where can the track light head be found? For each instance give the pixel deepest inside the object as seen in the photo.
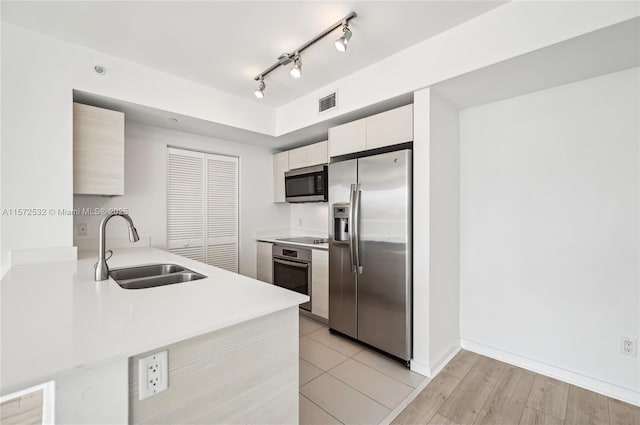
(341, 43)
(296, 70)
(261, 86)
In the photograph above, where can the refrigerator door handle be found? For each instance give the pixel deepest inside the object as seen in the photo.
(355, 227)
(351, 231)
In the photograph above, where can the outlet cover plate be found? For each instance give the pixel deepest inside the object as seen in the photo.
(629, 346)
(153, 374)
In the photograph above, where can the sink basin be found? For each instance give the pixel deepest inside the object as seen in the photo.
(153, 275)
(145, 271)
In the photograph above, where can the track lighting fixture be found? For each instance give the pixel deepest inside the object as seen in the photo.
(341, 43)
(296, 69)
(261, 86)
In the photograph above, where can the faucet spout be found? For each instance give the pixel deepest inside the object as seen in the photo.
(102, 269)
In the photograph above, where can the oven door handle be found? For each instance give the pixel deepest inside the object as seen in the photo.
(291, 263)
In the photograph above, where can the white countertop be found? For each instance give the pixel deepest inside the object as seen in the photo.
(55, 318)
(276, 239)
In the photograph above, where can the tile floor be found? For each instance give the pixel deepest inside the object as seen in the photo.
(343, 382)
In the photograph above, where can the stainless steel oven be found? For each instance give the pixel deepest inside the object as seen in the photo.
(292, 270)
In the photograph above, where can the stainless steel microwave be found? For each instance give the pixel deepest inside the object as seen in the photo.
(307, 184)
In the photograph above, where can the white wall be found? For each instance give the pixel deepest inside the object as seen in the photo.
(146, 190)
(310, 219)
(436, 306)
(505, 32)
(444, 266)
(38, 76)
(550, 231)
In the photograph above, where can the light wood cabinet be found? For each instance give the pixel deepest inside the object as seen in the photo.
(280, 166)
(384, 129)
(25, 409)
(348, 138)
(390, 128)
(98, 151)
(247, 373)
(308, 156)
(264, 264)
(320, 283)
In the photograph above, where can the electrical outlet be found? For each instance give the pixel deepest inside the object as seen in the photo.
(629, 346)
(153, 374)
(82, 229)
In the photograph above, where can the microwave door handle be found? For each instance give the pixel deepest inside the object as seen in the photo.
(291, 263)
(351, 230)
(356, 228)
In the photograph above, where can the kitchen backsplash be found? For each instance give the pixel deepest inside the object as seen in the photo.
(311, 217)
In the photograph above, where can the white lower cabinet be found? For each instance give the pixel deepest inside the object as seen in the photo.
(320, 283)
(264, 270)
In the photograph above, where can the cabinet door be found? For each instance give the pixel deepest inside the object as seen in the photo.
(264, 266)
(308, 156)
(98, 151)
(347, 138)
(317, 154)
(280, 166)
(320, 283)
(298, 157)
(390, 128)
(25, 409)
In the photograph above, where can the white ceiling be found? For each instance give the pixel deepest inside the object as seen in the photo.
(224, 44)
(610, 49)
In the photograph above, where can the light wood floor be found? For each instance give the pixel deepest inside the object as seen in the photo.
(474, 389)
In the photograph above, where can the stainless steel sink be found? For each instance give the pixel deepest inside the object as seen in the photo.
(145, 271)
(153, 275)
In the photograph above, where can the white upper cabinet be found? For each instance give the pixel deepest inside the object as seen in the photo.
(308, 156)
(348, 138)
(98, 151)
(390, 128)
(384, 129)
(280, 166)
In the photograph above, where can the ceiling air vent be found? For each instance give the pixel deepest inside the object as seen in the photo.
(327, 102)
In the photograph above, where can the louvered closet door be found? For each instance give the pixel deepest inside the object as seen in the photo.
(186, 203)
(222, 212)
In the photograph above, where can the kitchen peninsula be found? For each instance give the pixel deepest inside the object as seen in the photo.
(230, 339)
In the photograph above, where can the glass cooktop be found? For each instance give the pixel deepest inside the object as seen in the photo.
(304, 239)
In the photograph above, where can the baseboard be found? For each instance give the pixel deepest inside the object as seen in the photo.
(421, 368)
(432, 371)
(442, 362)
(605, 388)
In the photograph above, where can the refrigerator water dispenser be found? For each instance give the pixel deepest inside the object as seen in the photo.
(341, 222)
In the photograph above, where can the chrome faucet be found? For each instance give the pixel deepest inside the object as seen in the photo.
(102, 270)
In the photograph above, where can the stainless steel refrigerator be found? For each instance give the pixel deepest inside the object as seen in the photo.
(370, 251)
